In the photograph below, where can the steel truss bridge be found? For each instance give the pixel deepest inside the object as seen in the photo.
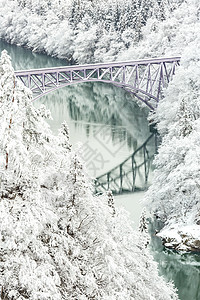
(145, 79)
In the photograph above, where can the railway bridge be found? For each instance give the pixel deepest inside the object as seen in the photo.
(145, 79)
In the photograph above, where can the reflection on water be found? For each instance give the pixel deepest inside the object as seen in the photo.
(181, 268)
(89, 105)
(24, 59)
(104, 118)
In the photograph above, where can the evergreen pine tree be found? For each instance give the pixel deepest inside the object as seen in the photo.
(111, 201)
(143, 228)
(64, 137)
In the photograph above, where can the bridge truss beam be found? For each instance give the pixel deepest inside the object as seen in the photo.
(145, 79)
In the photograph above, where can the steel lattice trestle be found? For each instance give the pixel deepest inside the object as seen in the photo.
(143, 78)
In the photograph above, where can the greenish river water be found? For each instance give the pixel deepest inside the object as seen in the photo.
(110, 126)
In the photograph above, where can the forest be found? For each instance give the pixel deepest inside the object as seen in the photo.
(54, 242)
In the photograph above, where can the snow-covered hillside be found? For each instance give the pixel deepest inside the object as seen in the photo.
(81, 31)
(170, 37)
(58, 240)
(174, 194)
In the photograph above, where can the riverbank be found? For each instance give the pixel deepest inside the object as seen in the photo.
(178, 236)
(181, 237)
(180, 267)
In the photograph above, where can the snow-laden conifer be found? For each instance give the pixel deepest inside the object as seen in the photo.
(24, 213)
(64, 136)
(143, 228)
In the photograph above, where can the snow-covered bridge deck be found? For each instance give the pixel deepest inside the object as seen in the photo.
(143, 78)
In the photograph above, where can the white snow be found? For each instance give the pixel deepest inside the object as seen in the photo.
(46, 198)
(78, 30)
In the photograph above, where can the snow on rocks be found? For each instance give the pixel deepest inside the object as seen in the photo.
(181, 237)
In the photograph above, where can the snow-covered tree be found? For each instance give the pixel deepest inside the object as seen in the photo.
(23, 211)
(143, 228)
(64, 136)
(85, 44)
(111, 203)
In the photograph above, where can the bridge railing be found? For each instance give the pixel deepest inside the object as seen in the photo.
(132, 174)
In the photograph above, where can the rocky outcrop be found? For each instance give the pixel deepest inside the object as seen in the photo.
(181, 237)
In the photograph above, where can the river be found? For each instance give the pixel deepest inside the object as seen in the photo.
(110, 125)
